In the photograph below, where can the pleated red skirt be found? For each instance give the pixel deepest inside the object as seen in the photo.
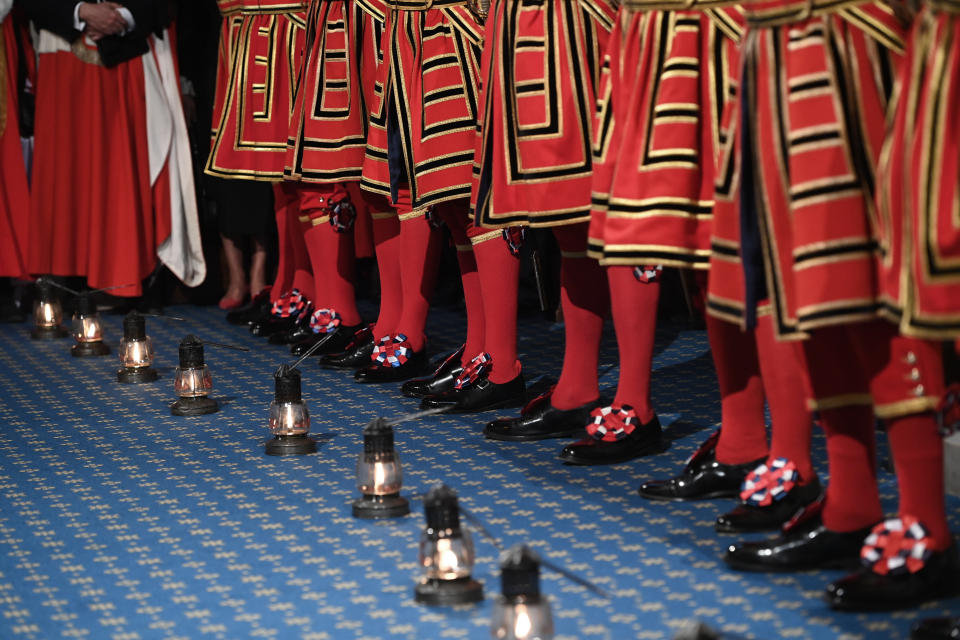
(14, 191)
(93, 211)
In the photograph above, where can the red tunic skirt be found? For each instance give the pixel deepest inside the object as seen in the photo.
(814, 91)
(424, 114)
(919, 205)
(261, 46)
(541, 67)
(14, 191)
(229, 36)
(658, 133)
(328, 130)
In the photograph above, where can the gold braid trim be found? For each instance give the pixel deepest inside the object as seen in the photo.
(85, 53)
(949, 6)
(676, 5)
(788, 13)
(424, 5)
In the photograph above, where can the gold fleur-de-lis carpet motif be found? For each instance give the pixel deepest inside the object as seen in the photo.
(120, 521)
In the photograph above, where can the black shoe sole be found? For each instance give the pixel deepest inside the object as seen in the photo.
(570, 433)
(507, 403)
(712, 495)
(846, 564)
(758, 529)
(838, 604)
(403, 378)
(342, 367)
(648, 450)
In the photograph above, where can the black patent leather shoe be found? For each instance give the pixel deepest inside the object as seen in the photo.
(868, 590)
(539, 420)
(258, 308)
(646, 439)
(415, 365)
(746, 517)
(702, 477)
(803, 548)
(299, 330)
(334, 342)
(355, 356)
(482, 395)
(936, 629)
(443, 379)
(267, 327)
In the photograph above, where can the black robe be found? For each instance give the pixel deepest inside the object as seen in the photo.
(56, 16)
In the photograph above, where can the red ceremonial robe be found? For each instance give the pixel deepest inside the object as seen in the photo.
(261, 50)
(429, 81)
(14, 190)
(328, 130)
(533, 159)
(815, 161)
(658, 133)
(94, 212)
(919, 199)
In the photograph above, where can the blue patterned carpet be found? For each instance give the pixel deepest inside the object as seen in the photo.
(120, 521)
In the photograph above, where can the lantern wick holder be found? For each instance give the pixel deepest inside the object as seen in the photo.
(445, 593)
(199, 406)
(139, 375)
(89, 349)
(291, 446)
(376, 507)
(48, 333)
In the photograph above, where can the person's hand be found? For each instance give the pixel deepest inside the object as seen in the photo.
(101, 19)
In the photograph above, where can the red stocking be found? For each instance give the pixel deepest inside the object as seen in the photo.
(455, 216)
(634, 306)
(330, 252)
(781, 365)
(743, 435)
(498, 271)
(283, 200)
(839, 385)
(419, 256)
(386, 240)
(584, 300)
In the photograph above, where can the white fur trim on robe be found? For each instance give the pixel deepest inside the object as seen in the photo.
(5, 6)
(169, 146)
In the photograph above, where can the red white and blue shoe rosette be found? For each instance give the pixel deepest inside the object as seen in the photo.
(612, 423)
(290, 305)
(897, 547)
(392, 351)
(477, 369)
(342, 215)
(647, 273)
(324, 321)
(769, 483)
